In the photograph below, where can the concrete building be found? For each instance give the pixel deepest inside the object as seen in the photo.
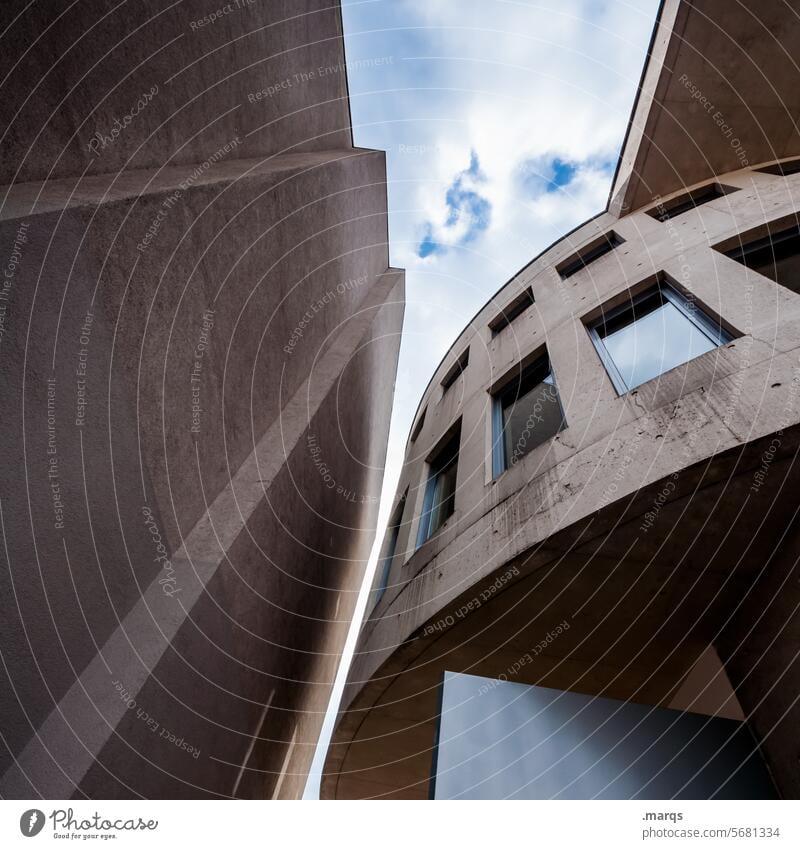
(599, 493)
(199, 340)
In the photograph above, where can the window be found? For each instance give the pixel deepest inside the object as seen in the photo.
(655, 332)
(440, 490)
(782, 169)
(683, 203)
(526, 412)
(512, 311)
(418, 426)
(392, 535)
(455, 370)
(775, 256)
(594, 250)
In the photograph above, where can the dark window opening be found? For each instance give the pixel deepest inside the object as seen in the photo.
(527, 412)
(440, 490)
(455, 370)
(418, 426)
(782, 169)
(776, 256)
(512, 311)
(392, 536)
(594, 250)
(690, 200)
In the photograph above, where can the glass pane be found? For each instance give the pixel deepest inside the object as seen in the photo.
(657, 342)
(444, 496)
(508, 740)
(531, 420)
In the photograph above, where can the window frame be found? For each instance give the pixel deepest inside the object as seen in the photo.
(518, 374)
(696, 314)
(435, 469)
(395, 523)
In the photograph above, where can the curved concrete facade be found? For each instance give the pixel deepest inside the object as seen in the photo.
(659, 523)
(192, 283)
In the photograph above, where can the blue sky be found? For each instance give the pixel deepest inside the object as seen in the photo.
(502, 122)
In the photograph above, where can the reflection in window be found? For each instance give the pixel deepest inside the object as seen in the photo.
(657, 331)
(776, 256)
(526, 413)
(440, 491)
(501, 739)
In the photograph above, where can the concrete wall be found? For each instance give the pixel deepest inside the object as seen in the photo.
(180, 328)
(577, 507)
(180, 83)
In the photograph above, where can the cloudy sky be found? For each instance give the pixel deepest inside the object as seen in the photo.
(502, 122)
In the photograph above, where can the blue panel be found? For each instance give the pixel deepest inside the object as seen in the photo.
(500, 740)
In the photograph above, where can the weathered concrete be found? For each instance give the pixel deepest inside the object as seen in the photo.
(655, 524)
(719, 92)
(200, 333)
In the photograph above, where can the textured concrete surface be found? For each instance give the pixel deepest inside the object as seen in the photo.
(200, 333)
(659, 524)
(719, 92)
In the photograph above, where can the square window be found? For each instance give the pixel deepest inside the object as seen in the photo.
(653, 333)
(526, 412)
(775, 256)
(440, 490)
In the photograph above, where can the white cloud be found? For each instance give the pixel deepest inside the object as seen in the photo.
(513, 82)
